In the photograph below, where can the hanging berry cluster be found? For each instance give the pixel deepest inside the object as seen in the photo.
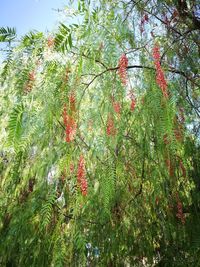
(110, 127)
(133, 100)
(66, 75)
(181, 115)
(50, 42)
(160, 78)
(116, 107)
(63, 175)
(170, 167)
(132, 104)
(71, 167)
(123, 64)
(29, 84)
(144, 20)
(180, 215)
(182, 167)
(72, 101)
(69, 119)
(81, 179)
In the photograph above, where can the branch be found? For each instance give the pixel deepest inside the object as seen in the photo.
(190, 101)
(70, 217)
(173, 70)
(89, 148)
(80, 138)
(83, 55)
(179, 38)
(163, 22)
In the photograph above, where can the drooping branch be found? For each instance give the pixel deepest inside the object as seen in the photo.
(88, 57)
(171, 69)
(88, 147)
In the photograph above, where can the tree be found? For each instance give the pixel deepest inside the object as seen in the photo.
(100, 138)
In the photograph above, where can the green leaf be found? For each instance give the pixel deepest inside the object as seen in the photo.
(7, 34)
(70, 40)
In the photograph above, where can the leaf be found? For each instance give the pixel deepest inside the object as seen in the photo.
(70, 40)
(7, 34)
(32, 38)
(15, 125)
(63, 39)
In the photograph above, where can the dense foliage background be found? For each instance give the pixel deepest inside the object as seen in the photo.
(100, 155)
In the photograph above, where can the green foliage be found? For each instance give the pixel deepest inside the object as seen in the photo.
(63, 39)
(31, 38)
(108, 186)
(47, 209)
(7, 34)
(15, 126)
(134, 200)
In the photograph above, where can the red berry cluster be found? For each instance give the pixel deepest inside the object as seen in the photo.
(170, 167)
(116, 107)
(166, 139)
(160, 78)
(182, 167)
(166, 20)
(123, 64)
(157, 200)
(71, 167)
(133, 103)
(70, 125)
(133, 100)
(29, 84)
(63, 175)
(180, 215)
(72, 101)
(66, 74)
(144, 20)
(110, 128)
(181, 115)
(81, 179)
(178, 134)
(31, 76)
(50, 42)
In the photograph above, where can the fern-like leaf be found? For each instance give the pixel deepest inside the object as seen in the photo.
(47, 209)
(63, 39)
(7, 34)
(15, 126)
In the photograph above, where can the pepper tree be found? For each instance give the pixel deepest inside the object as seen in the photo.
(100, 138)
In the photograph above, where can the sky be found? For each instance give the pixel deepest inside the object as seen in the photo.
(26, 15)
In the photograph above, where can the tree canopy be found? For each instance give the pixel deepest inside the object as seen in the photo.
(99, 152)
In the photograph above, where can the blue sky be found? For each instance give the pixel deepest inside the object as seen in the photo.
(28, 15)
